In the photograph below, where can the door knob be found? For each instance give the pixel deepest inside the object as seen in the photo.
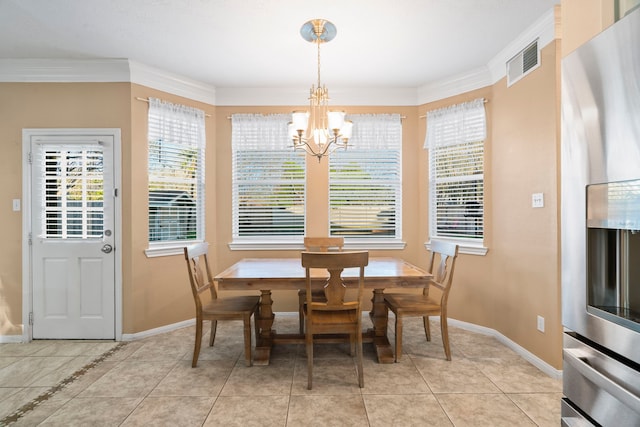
(107, 248)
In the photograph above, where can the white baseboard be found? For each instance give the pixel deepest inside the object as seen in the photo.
(526, 354)
(158, 331)
(11, 339)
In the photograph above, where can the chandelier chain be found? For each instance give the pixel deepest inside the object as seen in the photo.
(318, 43)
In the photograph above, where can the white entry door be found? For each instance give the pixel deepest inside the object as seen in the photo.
(72, 236)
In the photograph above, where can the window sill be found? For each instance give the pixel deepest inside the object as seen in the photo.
(350, 244)
(464, 246)
(168, 249)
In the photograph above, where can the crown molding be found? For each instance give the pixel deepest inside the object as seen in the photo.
(299, 96)
(544, 29)
(455, 85)
(64, 70)
(171, 83)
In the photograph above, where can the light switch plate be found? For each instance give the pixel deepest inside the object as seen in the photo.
(540, 323)
(16, 205)
(537, 200)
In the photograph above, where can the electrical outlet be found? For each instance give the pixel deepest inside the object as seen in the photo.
(537, 200)
(541, 323)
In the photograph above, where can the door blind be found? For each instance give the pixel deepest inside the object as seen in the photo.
(72, 197)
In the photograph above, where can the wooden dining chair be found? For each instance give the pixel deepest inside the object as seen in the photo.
(335, 315)
(442, 260)
(317, 244)
(233, 308)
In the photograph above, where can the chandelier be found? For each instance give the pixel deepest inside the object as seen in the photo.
(319, 131)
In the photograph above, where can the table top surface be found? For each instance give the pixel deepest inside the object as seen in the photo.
(260, 273)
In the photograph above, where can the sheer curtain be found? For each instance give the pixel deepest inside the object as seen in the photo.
(260, 132)
(456, 124)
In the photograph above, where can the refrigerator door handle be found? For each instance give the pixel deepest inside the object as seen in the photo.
(582, 361)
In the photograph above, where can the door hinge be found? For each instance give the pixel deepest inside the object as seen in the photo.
(31, 318)
(115, 192)
(30, 242)
(29, 158)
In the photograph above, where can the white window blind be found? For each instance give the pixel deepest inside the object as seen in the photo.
(365, 184)
(268, 182)
(176, 137)
(72, 196)
(455, 139)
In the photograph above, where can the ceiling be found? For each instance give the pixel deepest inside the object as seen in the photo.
(257, 44)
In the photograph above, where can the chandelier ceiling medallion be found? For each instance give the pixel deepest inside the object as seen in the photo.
(319, 131)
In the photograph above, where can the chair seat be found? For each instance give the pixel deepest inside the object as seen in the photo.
(231, 305)
(409, 303)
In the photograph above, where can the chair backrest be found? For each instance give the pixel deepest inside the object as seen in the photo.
(200, 275)
(323, 244)
(442, 261)
(334, 263)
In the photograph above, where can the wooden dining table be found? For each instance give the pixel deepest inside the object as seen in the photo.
(268, 274)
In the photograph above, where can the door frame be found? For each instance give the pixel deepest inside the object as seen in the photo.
(27, 280)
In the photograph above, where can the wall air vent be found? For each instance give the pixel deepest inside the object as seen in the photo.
(527, 60)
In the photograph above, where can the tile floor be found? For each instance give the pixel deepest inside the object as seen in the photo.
(151, 382)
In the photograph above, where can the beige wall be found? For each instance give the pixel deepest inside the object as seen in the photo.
(156, 290)
(581, 20)
(42, 105)
(518, 279)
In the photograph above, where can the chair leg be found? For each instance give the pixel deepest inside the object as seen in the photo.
(255, 326)
(398, 337)
(214, 328)
(427, 327)
(196, 348)
(352, 345)
(359, 358)
(309, 348)
(445, 336)
(301, 300)
(247, 339)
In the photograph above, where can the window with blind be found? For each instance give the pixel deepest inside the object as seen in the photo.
(176, 138)
(365, 186)
(455, 140)
(268, 179)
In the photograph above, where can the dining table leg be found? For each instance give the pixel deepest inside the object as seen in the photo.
(379, 317)
(264, 323)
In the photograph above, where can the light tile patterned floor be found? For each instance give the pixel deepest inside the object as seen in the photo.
(151, 382)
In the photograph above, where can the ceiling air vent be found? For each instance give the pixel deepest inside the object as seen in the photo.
(523, 63)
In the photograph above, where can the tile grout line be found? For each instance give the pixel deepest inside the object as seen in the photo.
(24, 409)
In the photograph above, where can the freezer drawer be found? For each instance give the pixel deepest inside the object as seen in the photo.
(605, 388)
(572, 418)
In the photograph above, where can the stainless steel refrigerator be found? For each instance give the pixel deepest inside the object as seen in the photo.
(600, 238)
